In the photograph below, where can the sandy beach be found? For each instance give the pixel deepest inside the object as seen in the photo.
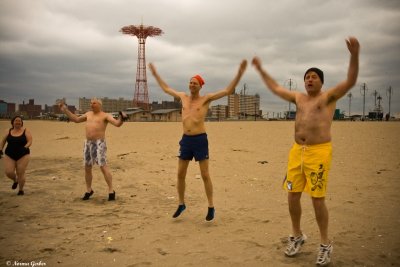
(51, 226)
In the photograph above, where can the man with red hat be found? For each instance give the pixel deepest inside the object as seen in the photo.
(194, 143)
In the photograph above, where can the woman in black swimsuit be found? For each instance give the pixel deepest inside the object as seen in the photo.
(16, 158)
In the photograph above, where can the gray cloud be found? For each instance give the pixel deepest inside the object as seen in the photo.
(52, 49)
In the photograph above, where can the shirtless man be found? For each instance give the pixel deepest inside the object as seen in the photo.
(194, 141)
(95, 147)
(310, 156)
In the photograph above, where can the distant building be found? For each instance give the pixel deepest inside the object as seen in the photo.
(338, 115)
(55, 109)
(244, 106)
(3, 108)
(176, 104)
(109, 105)
(160, 115)
(220, 112)
(7, 110)
(11, 108)
(290, 115)
(234, 106)
(30, 110)
(138, 114)
(167, 115)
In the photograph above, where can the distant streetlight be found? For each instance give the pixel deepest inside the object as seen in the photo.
(389, 93)
(349, 95)
(363, 90)
(291, 84)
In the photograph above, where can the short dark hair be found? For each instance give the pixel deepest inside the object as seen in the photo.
(319, 72)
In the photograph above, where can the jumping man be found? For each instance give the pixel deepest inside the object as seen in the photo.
(194, 141)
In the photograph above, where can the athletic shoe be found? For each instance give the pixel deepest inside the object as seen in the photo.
(295, 244)
(179, 210)
(87, 195)
(324, 255)
(111, 196)
(14, 185)
(210, 214)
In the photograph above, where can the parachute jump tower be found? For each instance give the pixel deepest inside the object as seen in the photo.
(141, 95)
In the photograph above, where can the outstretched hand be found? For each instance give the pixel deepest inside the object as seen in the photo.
(256, 62)
(61, 104)
(123, 116)
(353, 45)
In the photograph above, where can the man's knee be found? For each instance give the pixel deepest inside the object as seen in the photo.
(318, 202)
(181, 175)
(205, 175)
(88, 168)
(294, 197)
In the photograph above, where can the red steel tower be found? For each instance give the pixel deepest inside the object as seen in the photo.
(141, 95)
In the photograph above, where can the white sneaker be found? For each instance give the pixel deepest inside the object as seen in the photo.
(295, 244)
(324, 255)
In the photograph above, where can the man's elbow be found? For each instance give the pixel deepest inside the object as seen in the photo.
(352, 82)
(227, 92)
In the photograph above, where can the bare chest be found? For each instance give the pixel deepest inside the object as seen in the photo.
(314, 110)
(97, 121)
(194, 108)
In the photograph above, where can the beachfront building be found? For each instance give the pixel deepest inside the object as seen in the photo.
(176, 104)
(242, 106)
(233, 106)
(167, 115)
(109, 105)
(219, 112)
(29, 110)
(7, 110)
(136, 114)
(160, 115)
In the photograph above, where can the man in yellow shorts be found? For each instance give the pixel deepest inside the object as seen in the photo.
(310, 156)
(308, 169)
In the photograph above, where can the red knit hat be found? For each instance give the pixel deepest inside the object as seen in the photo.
(198, 77)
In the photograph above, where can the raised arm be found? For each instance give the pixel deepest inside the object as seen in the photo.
(277, 89)
(122, 116)
(164, 86)
(71, 116)
(231, 87)
(343, 87)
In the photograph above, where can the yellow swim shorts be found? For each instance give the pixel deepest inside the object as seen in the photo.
(308, 169)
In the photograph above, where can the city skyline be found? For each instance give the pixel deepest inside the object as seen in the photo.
(50, 50)
(155, 105)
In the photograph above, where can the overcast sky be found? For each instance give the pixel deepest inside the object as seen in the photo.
(56, 48)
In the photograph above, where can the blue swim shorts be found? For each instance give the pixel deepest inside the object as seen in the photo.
(193, 146)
